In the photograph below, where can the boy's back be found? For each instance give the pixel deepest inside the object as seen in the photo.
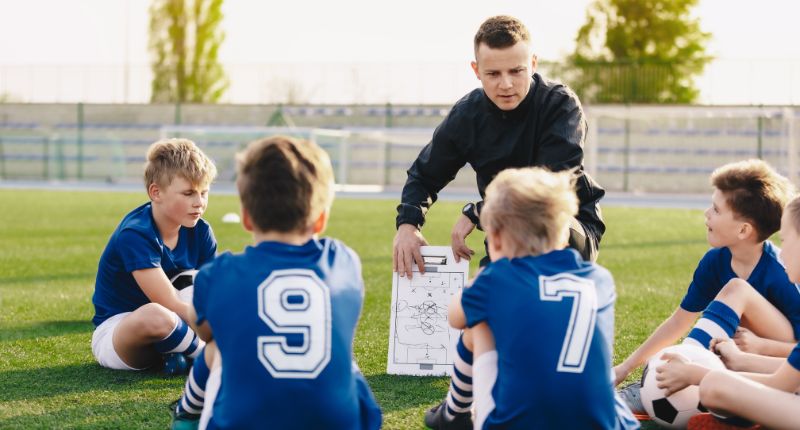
(284, 318)
(552, 317)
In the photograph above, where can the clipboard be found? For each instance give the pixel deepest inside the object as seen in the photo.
(421, 341)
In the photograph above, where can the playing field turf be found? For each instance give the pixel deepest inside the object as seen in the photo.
(50, 242)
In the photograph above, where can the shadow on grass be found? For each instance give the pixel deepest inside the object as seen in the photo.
(34, 383)
(403, 392)
(44, 329)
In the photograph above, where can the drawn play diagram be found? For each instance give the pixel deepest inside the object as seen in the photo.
(421, 341)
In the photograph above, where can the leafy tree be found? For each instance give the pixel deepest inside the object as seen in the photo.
(642, 51)
(184, 43)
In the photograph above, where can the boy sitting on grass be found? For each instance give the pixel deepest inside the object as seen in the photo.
(766, 396)
(739, 281)
(138, 315)
(283, 313)
(540, 318)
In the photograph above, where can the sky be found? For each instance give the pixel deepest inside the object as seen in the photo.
(365, 50)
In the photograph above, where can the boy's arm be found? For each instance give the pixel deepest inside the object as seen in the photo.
(786, 378)
(455, 313)
(203, 329)
(158, 289)
(764, 346)
(666, 334)
(740, 361)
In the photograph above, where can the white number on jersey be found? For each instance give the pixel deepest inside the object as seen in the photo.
(295, 302)
(580, 331)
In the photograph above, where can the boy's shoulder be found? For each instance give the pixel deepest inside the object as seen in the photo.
(139, 219)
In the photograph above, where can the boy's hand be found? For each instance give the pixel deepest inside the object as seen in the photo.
(406, 250)
(462, 228)
(674, 375)
(747, 341)
(728, 352)
(620, 373)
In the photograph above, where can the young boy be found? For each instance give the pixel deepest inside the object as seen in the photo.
(740, 280)
(283, 313)
(767, 397)
(558, 376)
(138, 314)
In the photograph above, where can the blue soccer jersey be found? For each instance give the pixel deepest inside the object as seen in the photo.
(284, 318)
(552, 317)
(794, 357)
(136, 244)
(768, 278)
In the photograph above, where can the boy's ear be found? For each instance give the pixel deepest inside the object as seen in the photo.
(746, 230)
(247, 222)
(154, 192)
(321, 222)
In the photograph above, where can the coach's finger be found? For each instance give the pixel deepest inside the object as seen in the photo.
(420, 261)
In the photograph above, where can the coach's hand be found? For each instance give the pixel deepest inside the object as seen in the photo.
(461, 230)
(406, 250)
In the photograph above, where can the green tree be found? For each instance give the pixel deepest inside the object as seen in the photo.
(639, 51)
(184, 43)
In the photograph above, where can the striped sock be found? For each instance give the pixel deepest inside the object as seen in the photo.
(719, 321)
(459, 397)
(182, 340)
(194, 392)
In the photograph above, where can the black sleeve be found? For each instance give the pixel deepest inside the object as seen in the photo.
(561, 148)
(436, 165)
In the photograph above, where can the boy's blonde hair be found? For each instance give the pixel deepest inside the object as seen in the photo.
(532, 206)
(284, 183)
(756, 192)
(168, 158)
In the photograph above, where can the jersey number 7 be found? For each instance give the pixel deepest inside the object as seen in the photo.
(582, 319)
(295, 302)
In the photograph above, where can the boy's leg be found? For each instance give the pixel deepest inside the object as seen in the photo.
(454, 411)
(485, 377)
(194, 392)
(738, 303)
(212, 388)
(103, 344)
(725, 391)
(142, 335)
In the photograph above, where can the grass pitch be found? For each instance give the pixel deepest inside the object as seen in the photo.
(50, 242)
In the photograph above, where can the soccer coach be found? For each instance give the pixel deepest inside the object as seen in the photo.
(517, 119)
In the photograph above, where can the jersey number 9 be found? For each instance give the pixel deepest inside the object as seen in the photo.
(295, 303)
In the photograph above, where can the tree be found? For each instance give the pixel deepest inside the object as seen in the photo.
(184, 43)
(641, 51)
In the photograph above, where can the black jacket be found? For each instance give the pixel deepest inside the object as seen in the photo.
(547, 129)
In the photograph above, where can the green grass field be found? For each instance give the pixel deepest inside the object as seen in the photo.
(50, 242)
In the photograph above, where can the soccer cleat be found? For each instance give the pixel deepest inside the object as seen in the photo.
(182, 420)
(176, 364)
(709, 422)
(631, 396)
(435, 419)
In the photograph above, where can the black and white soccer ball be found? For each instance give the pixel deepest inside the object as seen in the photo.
(184, 283)
(674, 411)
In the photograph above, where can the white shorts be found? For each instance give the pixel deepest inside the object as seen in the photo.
(103, 344)
(484, 375)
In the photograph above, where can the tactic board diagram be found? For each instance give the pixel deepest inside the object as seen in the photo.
(421, 341)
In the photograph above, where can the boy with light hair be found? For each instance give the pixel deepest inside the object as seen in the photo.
(559, 375)
(740, 284)
(139, 316)
(283, 313)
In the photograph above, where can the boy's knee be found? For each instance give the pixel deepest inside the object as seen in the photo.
(466, 338)
(154, 320)
(712, 394)
(735, 288)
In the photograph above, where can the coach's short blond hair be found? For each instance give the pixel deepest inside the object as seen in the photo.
(533, 207)
(285, 183)
(168, 158)
(793, 211)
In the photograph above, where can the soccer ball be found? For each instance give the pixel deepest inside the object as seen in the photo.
(184, 283)
(674, 411)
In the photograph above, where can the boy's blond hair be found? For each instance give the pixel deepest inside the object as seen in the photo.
(756, 192)
(793, 210)
(533, 207)
(284, 183)
(168, 158)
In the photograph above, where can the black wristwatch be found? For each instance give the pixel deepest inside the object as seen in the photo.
(469, 211)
